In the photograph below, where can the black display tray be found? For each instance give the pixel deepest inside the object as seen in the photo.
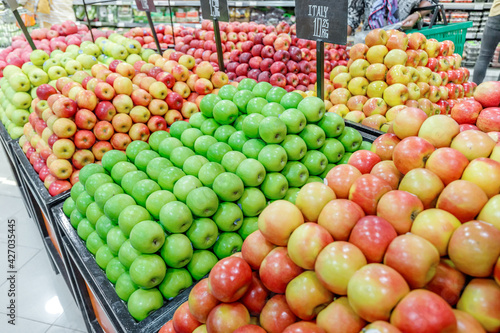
(368, 133)
(104, 291)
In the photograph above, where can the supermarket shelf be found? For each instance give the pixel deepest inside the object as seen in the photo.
(467, 6)
(138, 24)
(195, 3)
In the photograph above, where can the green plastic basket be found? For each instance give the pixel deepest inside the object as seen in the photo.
(456, 32)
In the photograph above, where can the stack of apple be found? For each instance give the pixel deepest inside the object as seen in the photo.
(393, 69)
(145, 37)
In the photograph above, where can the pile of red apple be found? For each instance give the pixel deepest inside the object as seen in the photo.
(391, 70)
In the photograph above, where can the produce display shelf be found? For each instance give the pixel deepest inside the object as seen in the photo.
(5, 140)
(194, 3)
(104, 291)
(138, 24)
(368, 134)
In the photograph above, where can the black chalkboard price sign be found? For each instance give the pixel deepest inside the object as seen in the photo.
(148, 6)
(322, 21)
(216, 10)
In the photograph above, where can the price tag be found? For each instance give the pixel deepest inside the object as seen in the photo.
(145, 5)
(324, 20)
(215, 9)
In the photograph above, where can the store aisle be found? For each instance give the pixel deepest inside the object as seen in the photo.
(44, 303)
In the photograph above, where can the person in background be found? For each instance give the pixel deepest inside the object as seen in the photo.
(379, 13)
(491, 38)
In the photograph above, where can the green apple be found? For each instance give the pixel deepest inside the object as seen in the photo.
(252, 148)
(114, 239)
(177, 128)
(89, 170)
(251, 125)
(120, 169)
(130, 216)
(217, 151)
(252, 202)
(134, 148)
(168, 177)
(256, 104)
(168, 145)
(156, 138)
(85, 228)
(142, 302)
(228, 244)
(333, 150)
(110, 158)
(76, 190)
(147, 236)
(82, 202)
(208, 172)
(185, 185)
(125, 287)
(272, 130)
(93, 213)
(251, 172)
(201, 263)
(143, 158)
(75, 218)
(68, 206)
(228, 216)
(114, 269)
(232, 160)
(224, 132)
(247, 84)
(189, 136)
(227, 92)
(156, 166)
(142, 189)
(114, 206)
(228, 186)
(274, 186)
(177, 250)
(332, 124)
(176, 281)
(38, 57)
(237, 140)
(103, 256)
(225, 112)
(202, 201)
(238, 123)
(249, 226)
(179, 155)
(103, 226)
(203, 233)
(95, 181)
(147, 270)
(193, 164)
(196, 119)
(261, 89)
(202, 144)
(315, 161)
(132, 178)
(94, 242)
(50, 63)
(291, 194)
(158, 199)
(313, 108)
(208, 102)
(275, 94)
(176, 217)
(296, 174)
(56, 72)
(314, 136)
(291, 100)
(365, 145)
(273, 158)
(272, 109)
(209, 126)
(350, 139)
(294, 120)
(241, 99)
(294, 146)
(105, 192)
(127, 254)
(329, 167)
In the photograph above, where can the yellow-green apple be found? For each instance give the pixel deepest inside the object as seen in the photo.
(141, 97)
(219, 79)
(140, 114)
(100, 148)
(491, 212)
(398, 74)
(339, 311)
(424, 184)
(376, 54)
(63, 148)
(188, 109)
(423, 311)
(358, 68)
(337, 70)
(64, 128)
(395, 57)
(336, 264)
(341, 80)
(121, 123)
(355, 116)
(385, 286)
(277, 270)
(485, 173)
(50, 122)
(396, 94)
(340, 96)
(473, 144)
(376, 37)
(376, 89)
(283, 214)
(123, 103)
(204, 70)
(182, 89)
(432, 48)
(376, 72)
(480, 299)
(123, 85)
(157, 107)
(61, 169)
(413, 73)
(358, 51)
(426, 105)
(425, 74)
(408, 122)
(81, 158)
(306, 242)
(400, 209)
(158, 90)
(447, 163)
(103, 130)
(463, 199)
(443, 93)
(74, 91)
(416, 41)
(435, 80)
(187, 61)
(413, 91)
(358, 85)
(139, 131)
(367, 190)
(439, 130)
(120, 141)
(374, 121)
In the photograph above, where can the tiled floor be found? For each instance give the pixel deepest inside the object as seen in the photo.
(44, 303)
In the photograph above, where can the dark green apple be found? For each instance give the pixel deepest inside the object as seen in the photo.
(223, 133)
(193, 165)
(134, 148)
(201, 264)
(272, 130)
(333, 150)
(185, 185)
(156, 166)
(114, 269)
(176, 217)
(248, 226)
(251, 172)
(274, 186)
(169, 177)
(177, 250)
(179, 155)
(121, 169)
(272, 109)
(314, 136)
(130, 216)
(189, 136)
(167, 145)
(228, 216)
(147, 270)
(203, 233)
(176, 281)
(241, 99)
(147, 236)
(142, 302)
(273, 158)
(202, 144)
(296, 173)
(256, 104)
(217, 151)
(202, 201)
(315, 161)
(251, 125)
(232, 160)
(291, 194)
(252, 202)
(207, 104)
(291, 100)
(294, 146)
(313, 108)
(252, 148)
(228, 186)
(294, 120)
(127, 254)
(208, 172)
(177, 128)
(132, 178)
(350, 139)
(261, 89)
(158, 199)
(157, 137)
(332, 124)
(228, 244)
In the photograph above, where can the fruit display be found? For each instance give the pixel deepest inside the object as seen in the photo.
(404, 238)
(393, 69)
